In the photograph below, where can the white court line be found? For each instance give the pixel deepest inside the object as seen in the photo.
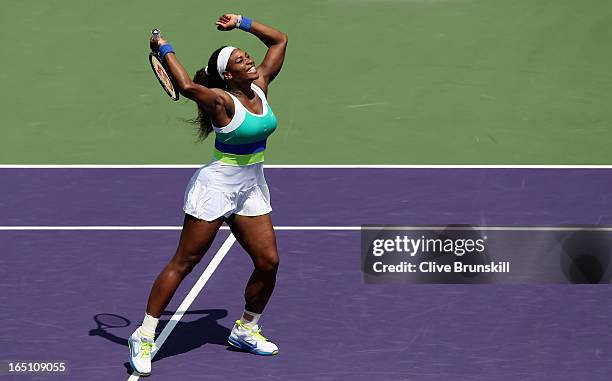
(89, 228)
(199, 285)
(365, 105)
(308, 166)
(155, 228)
(492, 228)
(313, 228)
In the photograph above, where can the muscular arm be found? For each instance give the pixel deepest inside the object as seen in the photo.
(276, 41)
(210, 100)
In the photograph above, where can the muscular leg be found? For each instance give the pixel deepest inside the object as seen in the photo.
(256, 235)
(196, 238)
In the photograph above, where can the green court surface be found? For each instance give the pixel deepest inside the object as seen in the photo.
(365, 82)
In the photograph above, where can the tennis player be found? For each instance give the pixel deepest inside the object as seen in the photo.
(230, 94)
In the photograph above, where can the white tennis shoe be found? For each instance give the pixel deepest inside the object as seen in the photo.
(251, 340)
(140, 353)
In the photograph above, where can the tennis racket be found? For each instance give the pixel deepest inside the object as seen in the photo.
(161, 73)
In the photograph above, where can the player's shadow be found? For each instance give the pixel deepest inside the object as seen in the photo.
(186, 336)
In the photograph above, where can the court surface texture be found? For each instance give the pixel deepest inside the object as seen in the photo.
(86, 243)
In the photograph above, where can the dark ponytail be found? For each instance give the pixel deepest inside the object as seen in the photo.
(212, 80)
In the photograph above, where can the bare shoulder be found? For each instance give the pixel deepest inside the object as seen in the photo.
(223, 94)
(221, 114)
(228, 103)
(262, 84)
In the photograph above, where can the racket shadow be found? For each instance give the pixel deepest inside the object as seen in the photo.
(186, 336)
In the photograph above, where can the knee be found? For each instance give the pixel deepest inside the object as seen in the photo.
(268, 262)
(183, 263)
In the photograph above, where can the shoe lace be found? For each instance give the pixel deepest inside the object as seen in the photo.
(146, 348)
(258, 335)
(256, 332)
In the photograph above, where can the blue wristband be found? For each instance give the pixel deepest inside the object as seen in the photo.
(245, 24)
(165, 49)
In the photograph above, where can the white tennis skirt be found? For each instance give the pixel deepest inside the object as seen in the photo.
(220, 190)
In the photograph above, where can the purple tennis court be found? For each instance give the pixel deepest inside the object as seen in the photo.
(327, 323)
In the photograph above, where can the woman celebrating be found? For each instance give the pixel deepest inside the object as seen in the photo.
(231, 97)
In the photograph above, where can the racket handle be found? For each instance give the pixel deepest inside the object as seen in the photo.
(155, 34)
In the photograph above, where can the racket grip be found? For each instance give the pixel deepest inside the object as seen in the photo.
(155, 34)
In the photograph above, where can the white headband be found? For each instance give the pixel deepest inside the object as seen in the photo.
(223, 58)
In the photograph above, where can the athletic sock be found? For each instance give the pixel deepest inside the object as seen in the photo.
(254, 318)
(149, 324)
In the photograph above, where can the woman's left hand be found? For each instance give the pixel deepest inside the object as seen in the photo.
(227, 22)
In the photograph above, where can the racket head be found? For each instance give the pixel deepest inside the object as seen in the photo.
(164, 78)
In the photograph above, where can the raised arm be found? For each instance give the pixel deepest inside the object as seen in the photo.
(275, 40)
(212, 102)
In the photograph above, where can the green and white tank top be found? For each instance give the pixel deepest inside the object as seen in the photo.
(243, 140)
